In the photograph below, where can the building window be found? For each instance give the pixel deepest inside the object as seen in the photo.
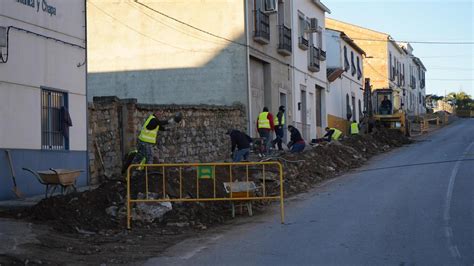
(390, 65)
(348, 108)
(360, 111)
(346, 61)
(353, 67)
(359, 70)
(52, 111)
(302, 25)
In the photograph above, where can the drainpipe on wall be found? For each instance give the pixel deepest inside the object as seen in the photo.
(249, 93)
(88, 178)
(293, 84)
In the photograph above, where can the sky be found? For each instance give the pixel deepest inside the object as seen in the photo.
(422, 20)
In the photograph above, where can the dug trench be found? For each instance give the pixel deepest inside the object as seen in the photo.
(90, 227)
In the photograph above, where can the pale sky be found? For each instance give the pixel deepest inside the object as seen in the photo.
(422, 20)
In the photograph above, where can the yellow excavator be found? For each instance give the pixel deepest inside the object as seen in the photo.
(380, 103)
(385, 114)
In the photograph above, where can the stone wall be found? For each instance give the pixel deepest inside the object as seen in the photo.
(114, 125)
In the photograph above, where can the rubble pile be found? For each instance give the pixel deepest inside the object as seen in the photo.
(327, 160)
(104, 208)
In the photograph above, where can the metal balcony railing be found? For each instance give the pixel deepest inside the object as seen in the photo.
(262, 27)
(322, 55)
(284, 45)
(313, 65)
(303, 43)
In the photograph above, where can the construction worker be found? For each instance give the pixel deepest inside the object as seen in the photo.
(354, 128)
(296, 143)
(265, 125)
(148, 136)
(279, 123)
(332, 134)
(241, 141)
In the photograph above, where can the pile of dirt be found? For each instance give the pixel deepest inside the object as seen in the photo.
(80, 212)
(327, 160)
(103, 209)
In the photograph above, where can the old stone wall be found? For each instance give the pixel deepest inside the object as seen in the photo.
(200, 137)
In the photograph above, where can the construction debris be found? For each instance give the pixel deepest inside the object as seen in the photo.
(103, 209)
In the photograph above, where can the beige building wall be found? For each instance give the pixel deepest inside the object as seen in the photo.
(168, 52)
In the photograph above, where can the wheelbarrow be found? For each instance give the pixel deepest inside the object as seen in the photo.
(241, 190)
(54, 178)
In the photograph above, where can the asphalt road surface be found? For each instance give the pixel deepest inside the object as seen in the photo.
(399, 209)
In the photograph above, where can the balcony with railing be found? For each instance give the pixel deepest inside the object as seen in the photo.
(313, 64)
(284, 45)
(262, 27)
(322, 55)
(303, 43)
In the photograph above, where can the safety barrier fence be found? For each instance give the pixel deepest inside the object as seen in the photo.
(204, 182)
(424, 122)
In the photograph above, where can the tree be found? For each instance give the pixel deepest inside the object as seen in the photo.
(461, 100)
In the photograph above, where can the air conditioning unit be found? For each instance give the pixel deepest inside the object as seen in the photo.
(271, 6)
(3, 37)
(313, 25)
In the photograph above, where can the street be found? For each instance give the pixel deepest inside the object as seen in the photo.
(396, 210)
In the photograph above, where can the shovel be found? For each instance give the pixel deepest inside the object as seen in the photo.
(15, 188)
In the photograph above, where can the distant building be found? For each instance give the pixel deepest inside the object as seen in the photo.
(345, 99)
(388, 66)
(42, 78)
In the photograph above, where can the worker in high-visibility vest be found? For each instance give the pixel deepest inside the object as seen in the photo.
(148, 135)
(332, 134)
(279, 124)
(265, 125)
(354, 128)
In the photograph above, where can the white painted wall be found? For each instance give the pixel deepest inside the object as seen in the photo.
(301, 75)
(34, 62)
(346, 84)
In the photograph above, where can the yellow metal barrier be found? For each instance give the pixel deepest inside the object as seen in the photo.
(204, 171)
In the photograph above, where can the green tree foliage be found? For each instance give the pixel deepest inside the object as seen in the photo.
(462, 100)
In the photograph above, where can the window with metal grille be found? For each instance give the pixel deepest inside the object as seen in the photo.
(52, 136)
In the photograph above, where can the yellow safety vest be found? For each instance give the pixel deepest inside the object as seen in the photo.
(354, 128)
(275, 121)
(263, 121)
(146, 135)
(337, 134)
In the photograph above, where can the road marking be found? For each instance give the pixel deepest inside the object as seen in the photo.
(447, 207)
(452, 178)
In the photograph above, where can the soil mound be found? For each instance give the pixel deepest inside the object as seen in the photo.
(103, 209)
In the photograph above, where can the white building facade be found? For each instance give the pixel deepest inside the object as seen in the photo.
(345, 99)
(309, 67)
(42, 80)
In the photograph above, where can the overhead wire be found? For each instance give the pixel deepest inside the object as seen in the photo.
(174, 28)
(228, 40)
(414, 164)
(138, 32)
(236, 42)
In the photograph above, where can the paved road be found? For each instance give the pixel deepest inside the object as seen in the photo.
(421, 214)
